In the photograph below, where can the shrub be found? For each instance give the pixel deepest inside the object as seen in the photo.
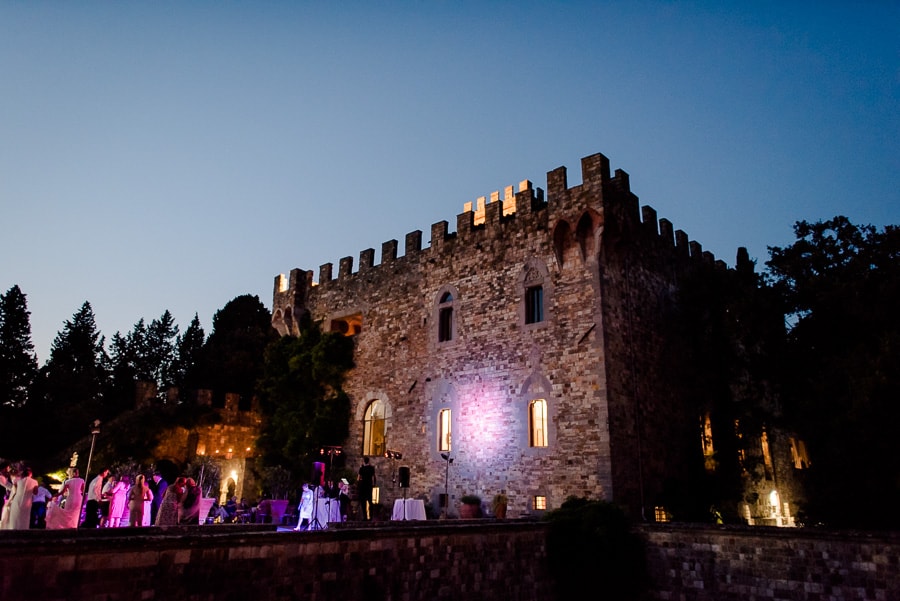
(590, 544)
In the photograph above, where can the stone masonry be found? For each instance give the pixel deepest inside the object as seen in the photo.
(607, 271)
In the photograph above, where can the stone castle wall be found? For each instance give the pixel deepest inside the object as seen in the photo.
(433, 560)
(619, 427)
(622, 422)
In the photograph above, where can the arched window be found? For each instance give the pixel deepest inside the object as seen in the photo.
(446, 315)
(534, 304)
(537, 423)
(536, 288)
(444, 426)
(373, 429)
(445, 318)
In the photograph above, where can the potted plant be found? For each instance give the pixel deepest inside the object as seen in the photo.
(498, 505)
(470, 507)
(207, 473)
(277, 481)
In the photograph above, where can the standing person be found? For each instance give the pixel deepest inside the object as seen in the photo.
(189, 509)
(168, 507)
(118, 498)
(106, 500)
(20, 512)
(7, 485)
(68, 509)
(39, 506)
(137, 496)
(158, 486)
(365, 483)
(95, 492)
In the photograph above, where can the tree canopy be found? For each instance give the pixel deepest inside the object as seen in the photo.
(841, 286)
(301, 396)
(18, 363)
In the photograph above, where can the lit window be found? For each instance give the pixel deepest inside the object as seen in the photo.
(534, 304)
(767, 455)
(373, 429)
(540, 502)
(706, 442)
(350, 325)
(444, 430)
(537, 423)
(660, 514)
(798, 454)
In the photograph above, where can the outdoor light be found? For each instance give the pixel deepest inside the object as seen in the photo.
(393, 454)
(95, 430)
(445, 502)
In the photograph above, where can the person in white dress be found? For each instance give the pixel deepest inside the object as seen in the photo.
(118, 498)
(20, 501)
(66, 510)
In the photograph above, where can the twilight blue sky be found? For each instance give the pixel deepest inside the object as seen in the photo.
(174, 155)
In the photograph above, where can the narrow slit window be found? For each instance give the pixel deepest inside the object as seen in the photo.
(444, 436)
(537, 421)
(534, 304)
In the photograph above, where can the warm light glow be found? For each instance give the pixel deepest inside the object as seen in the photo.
(234, 475)
(537, 418)
(540, 502)
(247, 449)
(376, 494)
(444, 432)
(283, 283)
(374, 424)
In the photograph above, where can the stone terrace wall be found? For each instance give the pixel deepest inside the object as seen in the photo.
(222, 563)
(432, 560)
(692, 563)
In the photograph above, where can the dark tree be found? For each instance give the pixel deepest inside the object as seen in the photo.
(188, 349)
(18, 363)
(841, 284)
(75, 377)
(731, 335)
(301, 396)
(232, 358)
(162, 336)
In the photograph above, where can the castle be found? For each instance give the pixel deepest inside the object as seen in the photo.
(534, 347)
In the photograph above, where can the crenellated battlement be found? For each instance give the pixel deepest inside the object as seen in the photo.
(603, 194)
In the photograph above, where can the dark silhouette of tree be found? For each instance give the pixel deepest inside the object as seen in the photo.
(730, 334)
(75, 377)
(162, 336)
(841, 286)
(301, 397)
(232, 358)
(188, 349)
(18, 362)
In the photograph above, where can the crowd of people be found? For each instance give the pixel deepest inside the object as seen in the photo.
(109, 501)
(114, 501)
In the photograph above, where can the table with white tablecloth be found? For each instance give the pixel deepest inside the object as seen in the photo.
(326, 511)
(414, 509)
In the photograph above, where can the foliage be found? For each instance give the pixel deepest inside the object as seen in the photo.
(730, 333)
(590, 543)
(841, 286)
(499, 500)
(276, 481)
(18, 362)
(207, 473)
(303, 405)
(470, 500)
(74, 378)
(147, 353)
(189, 348)
(232, 358)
